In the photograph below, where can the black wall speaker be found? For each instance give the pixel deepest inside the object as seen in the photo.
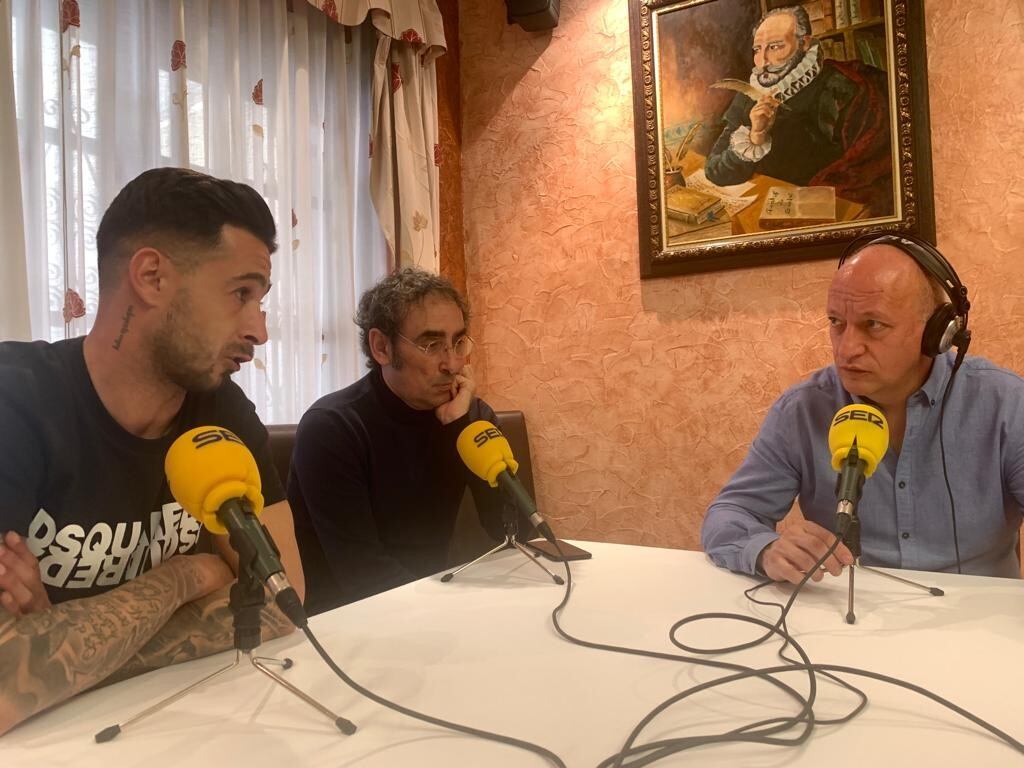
(533, 15)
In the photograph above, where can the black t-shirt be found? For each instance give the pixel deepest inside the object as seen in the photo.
(375, 488)
(90, 498)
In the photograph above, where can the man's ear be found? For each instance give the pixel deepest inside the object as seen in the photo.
(806, 42)
(152, 276)
(380, 347)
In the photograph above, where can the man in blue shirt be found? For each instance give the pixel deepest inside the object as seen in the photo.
(878, 306)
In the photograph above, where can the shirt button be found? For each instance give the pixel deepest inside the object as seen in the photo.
(933, 402)
(903, 485)
(906, 535)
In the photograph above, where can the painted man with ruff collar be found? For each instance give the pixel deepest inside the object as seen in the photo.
(820, 122)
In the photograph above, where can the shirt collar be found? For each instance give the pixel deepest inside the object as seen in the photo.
(936, 381)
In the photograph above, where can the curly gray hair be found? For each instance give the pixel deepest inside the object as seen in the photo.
(385, 305)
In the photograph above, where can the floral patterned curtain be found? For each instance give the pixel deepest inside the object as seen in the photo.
(403, 141)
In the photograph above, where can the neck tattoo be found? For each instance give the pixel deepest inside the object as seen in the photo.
(125, 321)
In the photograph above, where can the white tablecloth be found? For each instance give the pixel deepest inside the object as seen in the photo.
(481, 650)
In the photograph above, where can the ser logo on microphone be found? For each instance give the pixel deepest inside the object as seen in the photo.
(488, 434)
(870, 418)
(211, 436)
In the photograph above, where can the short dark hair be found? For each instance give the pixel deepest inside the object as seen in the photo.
(385, 305)
(185, 211)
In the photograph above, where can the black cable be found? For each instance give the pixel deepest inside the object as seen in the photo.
(765, 731)
(535, 748)
(844, 524)
(770, 726)
(827, 668)
(670, 746)
(999, 733)
(641, 652)
(761, 732)
(749, 594)
(762, 729)
(960, 354)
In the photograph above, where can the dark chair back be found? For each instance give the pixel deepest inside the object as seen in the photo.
(282, 441)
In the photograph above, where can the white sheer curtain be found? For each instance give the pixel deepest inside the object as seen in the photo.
(14, 311)
(253, 90)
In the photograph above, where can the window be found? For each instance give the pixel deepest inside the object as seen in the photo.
(276, 98)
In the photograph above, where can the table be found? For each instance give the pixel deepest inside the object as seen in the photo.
(481, 650)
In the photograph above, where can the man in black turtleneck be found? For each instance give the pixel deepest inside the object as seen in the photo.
(376, 480)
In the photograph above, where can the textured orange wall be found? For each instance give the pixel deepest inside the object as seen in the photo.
(642, 398)
(449, 138)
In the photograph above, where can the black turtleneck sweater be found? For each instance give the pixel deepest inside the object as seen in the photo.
(375, 488)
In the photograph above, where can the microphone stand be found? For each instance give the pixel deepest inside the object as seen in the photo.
(247, 600)
(508, 518)
(852, 541)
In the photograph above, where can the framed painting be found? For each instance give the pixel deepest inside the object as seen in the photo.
(771, 131)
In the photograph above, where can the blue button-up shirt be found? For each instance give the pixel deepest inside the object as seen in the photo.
(905, 515)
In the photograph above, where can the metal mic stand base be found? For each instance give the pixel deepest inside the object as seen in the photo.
(247, 599)
(851, 617)
(510, 542)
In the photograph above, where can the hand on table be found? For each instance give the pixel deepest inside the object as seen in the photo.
(798, 548)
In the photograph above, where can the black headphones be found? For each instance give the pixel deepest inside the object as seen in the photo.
(947, 326)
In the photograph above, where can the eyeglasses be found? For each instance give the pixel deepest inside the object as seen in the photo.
(439, 347)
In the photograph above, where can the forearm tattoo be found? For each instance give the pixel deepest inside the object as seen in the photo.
(197, 629)
(146, 623)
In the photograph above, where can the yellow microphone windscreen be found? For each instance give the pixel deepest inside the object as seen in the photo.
(208, 466)
(864, 424)
(486, 451)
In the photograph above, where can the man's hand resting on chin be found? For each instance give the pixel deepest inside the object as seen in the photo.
(463, 389)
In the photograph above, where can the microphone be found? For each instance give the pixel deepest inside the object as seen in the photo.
(215, 479)
(488, 455)
(857, 439)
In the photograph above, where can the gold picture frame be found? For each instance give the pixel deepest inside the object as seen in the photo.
(848, 126)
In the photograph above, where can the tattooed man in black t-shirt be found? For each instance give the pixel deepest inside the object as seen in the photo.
(102, 574)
